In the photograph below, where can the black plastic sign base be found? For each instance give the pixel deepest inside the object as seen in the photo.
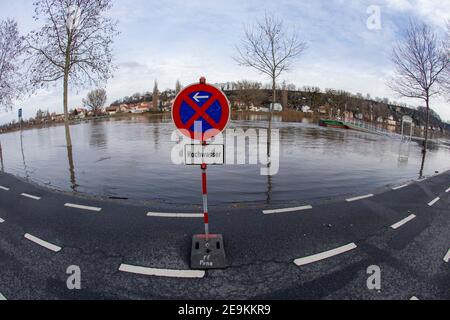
(208, 253)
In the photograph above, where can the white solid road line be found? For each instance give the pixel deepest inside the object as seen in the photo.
(4, 188)
(2, 297)
(288, 210)
(360, 198)
(174, 215)
(43, 243)
(447, 191)
(77, 206)
(1, 220)
(403, 222)
(400, 187)
(447, 256)
(432, 203)
(325, 255)
(26, 195)
(162, 272)
(414, 298)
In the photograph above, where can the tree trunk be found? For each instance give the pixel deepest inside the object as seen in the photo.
(425, 142)
(269, 138)
(66, 109)
(73, 183)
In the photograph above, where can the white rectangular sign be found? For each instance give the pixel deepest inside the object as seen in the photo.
(196, 154)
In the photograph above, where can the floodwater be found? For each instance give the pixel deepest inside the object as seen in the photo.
(130, 157)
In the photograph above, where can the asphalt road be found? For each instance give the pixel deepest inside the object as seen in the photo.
(316, 251)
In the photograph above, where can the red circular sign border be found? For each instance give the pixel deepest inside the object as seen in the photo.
(218, 94)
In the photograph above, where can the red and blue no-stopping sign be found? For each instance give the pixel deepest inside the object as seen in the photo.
(201, 111)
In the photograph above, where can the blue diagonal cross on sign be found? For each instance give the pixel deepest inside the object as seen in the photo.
(201, 106)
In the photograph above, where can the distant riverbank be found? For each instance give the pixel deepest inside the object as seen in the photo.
(285, 116)
(28, 125)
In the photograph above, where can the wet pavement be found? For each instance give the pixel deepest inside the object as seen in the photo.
(322, 252)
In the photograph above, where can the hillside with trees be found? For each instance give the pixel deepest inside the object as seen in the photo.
(245, 94)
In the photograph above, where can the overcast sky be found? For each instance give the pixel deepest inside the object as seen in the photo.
(170, 40)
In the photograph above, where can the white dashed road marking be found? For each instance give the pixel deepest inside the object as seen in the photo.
(400, 187)
(414, 299)
(325, 255)
(30, 196)
(403, 222)
(432, 203)
(43, 243)
(288, 210)
(1, 220)
(162, 272)
(447, 191)
(77, 206)
(4, 188)
(2, 297)
(174, 215)
(360, 198)
(447, 256)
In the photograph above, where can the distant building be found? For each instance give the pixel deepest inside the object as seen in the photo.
(80, 113)
(323, 109)
(277, 107)
(350, 115)
(390, 121)
(306, 109)
(141, 108)
(57, 117)
(112, 110)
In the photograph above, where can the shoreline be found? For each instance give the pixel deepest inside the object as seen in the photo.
(233, 205)
(286, 116)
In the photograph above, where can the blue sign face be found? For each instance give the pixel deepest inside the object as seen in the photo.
(203, 113)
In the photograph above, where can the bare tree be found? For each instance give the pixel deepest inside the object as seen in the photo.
(74, 45)
(269, 49)
(95, 100)
(447, 71)
(420, 61)
(178, 87)
(284, 95)
(155, 99)
(250, 93)
(313, 95)
(11, 47)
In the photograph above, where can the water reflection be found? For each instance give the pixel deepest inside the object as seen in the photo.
(97, 136)
(73, 182)
(269, 188)
(25, 169)
(1, 158)
(156, 135)
(130, 158)
(404, 151)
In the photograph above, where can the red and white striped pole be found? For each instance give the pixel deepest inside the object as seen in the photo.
(205, 200)
(204, 167)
